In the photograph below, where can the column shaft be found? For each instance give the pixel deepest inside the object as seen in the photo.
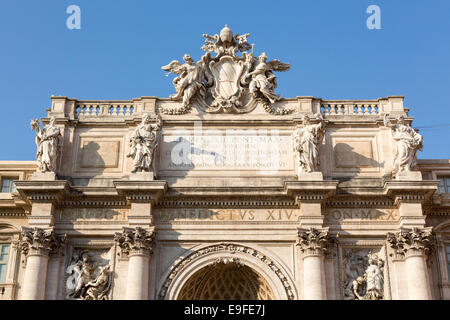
(314, 278)
(35, 277)
(137, 283)
(418, 286)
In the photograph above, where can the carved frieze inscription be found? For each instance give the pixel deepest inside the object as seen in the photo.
(203, 214)
(238, 149)
(338, 215)
(92, 214)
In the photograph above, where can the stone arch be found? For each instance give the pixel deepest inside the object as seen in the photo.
(442, 227)
(207, 255)
(6, 228)
(226, 279)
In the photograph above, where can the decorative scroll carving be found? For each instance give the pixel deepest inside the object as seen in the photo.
(313, 241)
(363, 275)
(414, 242)
(87, 280)
(408, 141)
(235, 261)
(135, 241)
(225, 82)
(39, 241)
(48, 144)
(227, 247)
(143, 144)
(306, 143)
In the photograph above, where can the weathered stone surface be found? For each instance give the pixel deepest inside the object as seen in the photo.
(214, 184)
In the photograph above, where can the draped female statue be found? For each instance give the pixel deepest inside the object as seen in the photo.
(306, 144)
(407, 141)
(48, 144)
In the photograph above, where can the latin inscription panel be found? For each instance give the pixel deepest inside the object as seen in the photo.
(227, 150)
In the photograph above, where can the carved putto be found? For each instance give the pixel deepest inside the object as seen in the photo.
(306, 143)
(86, 279)
(225, 82)
(363, 275)
(48, 144)
(407, 141)
(143, 144)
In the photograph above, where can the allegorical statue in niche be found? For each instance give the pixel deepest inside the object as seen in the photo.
(306, 143)
(354, 265)
(143, 143)
(87, 281)
(48, 144)
(190, 79)
(80, 271)
(99, 288)
(408, 141)
(263, 80)
(371, 285)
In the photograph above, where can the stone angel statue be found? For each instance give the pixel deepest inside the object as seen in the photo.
(190, 79)
(263, 79)
(306, 143)
(143, 143)
(408, 142)
(48, 144)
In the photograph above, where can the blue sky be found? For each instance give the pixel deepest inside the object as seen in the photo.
(122, 45)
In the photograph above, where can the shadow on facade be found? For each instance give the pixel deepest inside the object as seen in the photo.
(345, 157)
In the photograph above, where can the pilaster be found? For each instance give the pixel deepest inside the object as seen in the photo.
(309, 196)
(42, 198)
(141, 196)
(409, 197)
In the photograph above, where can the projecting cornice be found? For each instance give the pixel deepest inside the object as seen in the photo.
(311, 191)
(410, 191)
(43, 191)
(141, 191)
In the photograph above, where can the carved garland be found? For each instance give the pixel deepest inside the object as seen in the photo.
(233, 248)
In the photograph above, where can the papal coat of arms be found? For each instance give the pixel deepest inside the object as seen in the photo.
(226, 82)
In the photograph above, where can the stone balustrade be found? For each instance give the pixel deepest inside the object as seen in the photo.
(345, 108)
(102, 108)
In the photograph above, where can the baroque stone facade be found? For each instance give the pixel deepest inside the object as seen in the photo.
(226, 190)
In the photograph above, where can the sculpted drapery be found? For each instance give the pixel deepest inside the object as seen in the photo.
(263, 79)
(222, 80)
(407, 141)
(48, 144)
(143, 144)
(86, 280)
(189, 81)
(306, 142)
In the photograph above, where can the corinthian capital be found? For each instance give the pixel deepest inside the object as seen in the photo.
(39, 241)
(135, 241)
(414, 242)
(313, 241)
